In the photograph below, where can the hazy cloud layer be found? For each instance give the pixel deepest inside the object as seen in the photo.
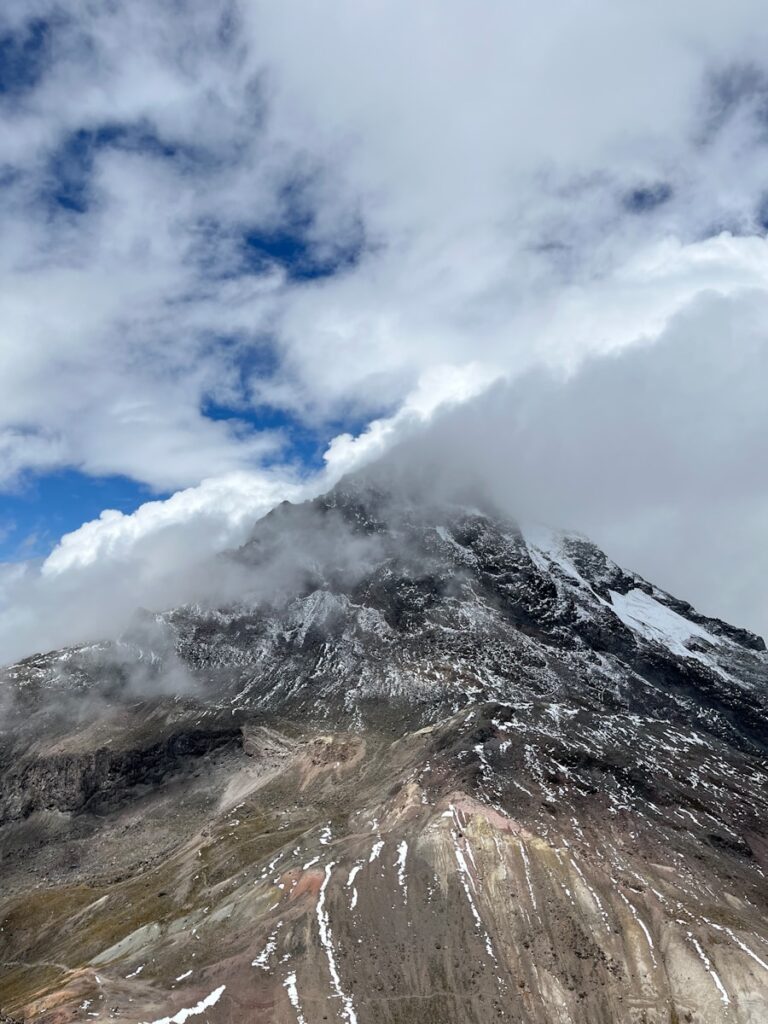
(657, 452)
(372, 212)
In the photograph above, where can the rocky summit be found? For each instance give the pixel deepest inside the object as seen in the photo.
(414, 763)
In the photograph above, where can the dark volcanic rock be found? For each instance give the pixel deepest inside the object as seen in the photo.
(103, 777)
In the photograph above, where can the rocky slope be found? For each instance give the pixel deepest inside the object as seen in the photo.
(427, 767)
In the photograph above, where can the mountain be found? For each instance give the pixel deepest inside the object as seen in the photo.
(415, 764)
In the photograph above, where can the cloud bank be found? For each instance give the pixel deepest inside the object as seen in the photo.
(656, 452)
(226, 220)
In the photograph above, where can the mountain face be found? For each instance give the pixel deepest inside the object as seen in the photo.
(424, 767)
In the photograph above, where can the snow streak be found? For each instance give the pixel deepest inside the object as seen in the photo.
(293, 994)
(351, 884)
(642, 925)
(402, 853)
(466, 879)
(710, 970)
(326, 940)
(262, 960)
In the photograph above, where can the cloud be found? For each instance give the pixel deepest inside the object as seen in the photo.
(347, 218)
(164, 553)
(244, 204)
(438, 390)
(92, 583)
(656, 451)
(220, 511)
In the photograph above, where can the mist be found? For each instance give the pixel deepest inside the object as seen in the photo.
(265, 560)
(657, 453)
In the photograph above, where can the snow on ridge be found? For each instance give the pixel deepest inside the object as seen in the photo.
(638, 610)
(314, 609)
(465, 554)
(542, 540)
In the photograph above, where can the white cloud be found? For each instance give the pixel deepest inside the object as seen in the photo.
(524, 187)
(160, 555)
(439, 389)
(220, 511)
(92, 583)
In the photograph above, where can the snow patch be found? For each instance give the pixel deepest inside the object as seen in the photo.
(262, 960)
(654, 621)
(194, 1011)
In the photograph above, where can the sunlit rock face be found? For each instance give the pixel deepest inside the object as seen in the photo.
(423, 765)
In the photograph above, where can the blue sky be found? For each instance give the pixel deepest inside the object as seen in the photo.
(249, 247)
(42, 508)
